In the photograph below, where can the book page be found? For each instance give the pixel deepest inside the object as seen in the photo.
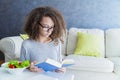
(49, 65)
(68, 61)
(53, 62)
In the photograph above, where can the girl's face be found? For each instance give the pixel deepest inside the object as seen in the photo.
(47, 26)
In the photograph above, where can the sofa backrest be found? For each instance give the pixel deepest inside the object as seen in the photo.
(112, 42)
(72, 39)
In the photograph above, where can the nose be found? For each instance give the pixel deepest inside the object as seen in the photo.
(49, 30)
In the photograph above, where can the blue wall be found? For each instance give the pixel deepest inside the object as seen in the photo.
(101, 14)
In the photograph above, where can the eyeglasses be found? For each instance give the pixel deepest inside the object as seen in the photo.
(46, 27)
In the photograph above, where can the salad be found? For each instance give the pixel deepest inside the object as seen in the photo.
(18, 64)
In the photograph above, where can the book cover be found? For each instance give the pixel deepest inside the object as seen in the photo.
(50, 64)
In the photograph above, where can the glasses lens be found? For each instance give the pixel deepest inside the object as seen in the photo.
(46, 28)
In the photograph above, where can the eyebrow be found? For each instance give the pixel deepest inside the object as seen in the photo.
(46, 25)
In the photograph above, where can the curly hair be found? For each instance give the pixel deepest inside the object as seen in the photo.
(35, 16)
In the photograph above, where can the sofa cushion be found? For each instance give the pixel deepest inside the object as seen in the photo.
(112, 42)
(88, 44)
(91, 63)
(24, 36)
(72, 39)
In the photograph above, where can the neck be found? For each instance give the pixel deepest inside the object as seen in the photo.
(44, 40)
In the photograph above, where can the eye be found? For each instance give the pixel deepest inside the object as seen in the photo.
(46, 26)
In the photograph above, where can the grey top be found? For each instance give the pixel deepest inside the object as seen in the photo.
(36, 51)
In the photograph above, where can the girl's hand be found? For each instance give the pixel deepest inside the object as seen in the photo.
(63, 70)
(33, 68)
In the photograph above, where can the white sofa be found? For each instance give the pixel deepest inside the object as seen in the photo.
(106, 67)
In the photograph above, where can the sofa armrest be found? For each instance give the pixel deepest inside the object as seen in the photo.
(10, 46)
(116, 62)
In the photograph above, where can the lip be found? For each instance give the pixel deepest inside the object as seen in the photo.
(47, 34)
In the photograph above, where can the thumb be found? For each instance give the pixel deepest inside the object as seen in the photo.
(32, 64)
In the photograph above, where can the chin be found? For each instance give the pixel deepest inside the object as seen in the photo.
(47, 35)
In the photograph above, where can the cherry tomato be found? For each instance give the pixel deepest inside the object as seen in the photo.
(11, 66)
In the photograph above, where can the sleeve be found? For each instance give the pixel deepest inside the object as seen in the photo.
(23, 54)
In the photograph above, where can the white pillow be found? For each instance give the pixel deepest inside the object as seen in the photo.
(91, 63)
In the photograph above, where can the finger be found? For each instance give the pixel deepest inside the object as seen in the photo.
(34, 62)
(40, 70)
(34, 70)
(61, 70)
(32, 65)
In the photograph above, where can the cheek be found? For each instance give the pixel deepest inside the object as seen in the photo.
(51, 32)
(42, 31)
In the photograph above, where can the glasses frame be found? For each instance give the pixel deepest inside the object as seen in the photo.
(46, 28)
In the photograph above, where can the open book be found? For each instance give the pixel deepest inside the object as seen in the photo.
(50, 64)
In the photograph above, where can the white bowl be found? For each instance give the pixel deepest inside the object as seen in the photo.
(12, 70)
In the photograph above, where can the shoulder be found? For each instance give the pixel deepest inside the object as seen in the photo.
(27, 42)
